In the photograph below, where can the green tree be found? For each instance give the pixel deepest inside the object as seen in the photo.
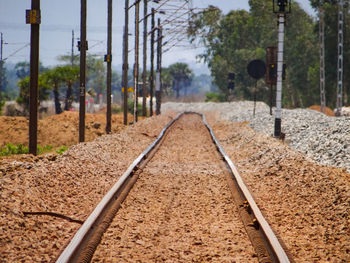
(95, 75)
(23, 97)
(167, 82)
(331, 49)
(3, 84)
(234, 39)
(53, 78)
(96, 72)
(69, 75)
(22, 69)
(182, 77)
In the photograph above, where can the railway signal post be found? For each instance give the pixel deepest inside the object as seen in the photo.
(281, 8)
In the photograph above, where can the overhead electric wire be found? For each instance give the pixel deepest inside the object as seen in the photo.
(18, 50)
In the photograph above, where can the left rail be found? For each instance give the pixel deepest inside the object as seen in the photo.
(85, 230)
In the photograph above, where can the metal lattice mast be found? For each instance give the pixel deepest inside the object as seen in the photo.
(340, 57)
(322, 65)
(278, 112)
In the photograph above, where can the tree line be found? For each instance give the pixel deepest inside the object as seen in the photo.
(232, 40)
(61, 83)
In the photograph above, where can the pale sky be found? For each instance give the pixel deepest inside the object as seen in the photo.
(60, 17)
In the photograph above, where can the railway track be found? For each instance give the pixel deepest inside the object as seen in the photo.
(182, 208)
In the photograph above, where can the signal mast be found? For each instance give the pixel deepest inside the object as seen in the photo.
(281, 8)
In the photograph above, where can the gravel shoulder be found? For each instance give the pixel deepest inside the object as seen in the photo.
(307, 204)
(321, 138)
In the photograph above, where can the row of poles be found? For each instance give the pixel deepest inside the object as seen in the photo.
(284, 8)
(33, 17)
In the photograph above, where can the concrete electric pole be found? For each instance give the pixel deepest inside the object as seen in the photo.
(33, 17)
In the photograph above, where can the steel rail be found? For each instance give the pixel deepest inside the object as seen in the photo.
(85, 229)
(267, 231)
(272, 241)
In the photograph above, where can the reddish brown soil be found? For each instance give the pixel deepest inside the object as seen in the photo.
(57, 130)
(328, 111)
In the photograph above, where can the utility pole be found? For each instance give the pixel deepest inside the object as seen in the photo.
(322, 65)
(108, 59)
(158, 77)
(33, 17)
(72, 52)
(1, 63)
(340, 57)
(151, 78)
(136, 62)
(125, 62)
(283, 6)
(83, 47)
(144, 73)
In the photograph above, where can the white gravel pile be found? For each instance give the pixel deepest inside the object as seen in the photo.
(322, 138)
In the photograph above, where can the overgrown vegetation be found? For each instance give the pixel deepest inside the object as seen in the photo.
(2, 104)
(62, 149)
(10, 149)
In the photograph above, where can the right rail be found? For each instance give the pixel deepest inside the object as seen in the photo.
(264, 228)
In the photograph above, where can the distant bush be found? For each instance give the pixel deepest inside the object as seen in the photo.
(44, 149)
(10, 149)
(62, 149)
(214, 97)
(2, 103)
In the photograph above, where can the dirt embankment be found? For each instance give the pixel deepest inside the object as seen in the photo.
(327, 111)
(57, 130)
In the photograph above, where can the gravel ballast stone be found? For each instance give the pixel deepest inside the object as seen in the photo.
(307, 204)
